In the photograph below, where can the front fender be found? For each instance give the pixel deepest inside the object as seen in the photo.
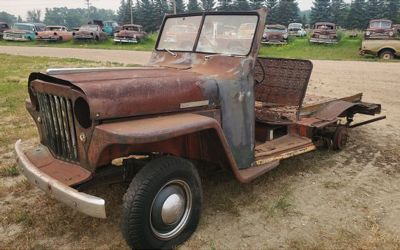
(118, 139)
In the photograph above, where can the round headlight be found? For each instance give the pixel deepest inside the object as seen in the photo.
(285, 36)
(82, 112)
(391, 33)
(367, 33)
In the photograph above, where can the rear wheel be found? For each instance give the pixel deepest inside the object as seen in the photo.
(340, 137)
(386, 54)
(162, 204)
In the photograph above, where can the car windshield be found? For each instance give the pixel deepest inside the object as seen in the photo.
(295, 26)
(220, 34)
(24, 27)
(89, 27)
(380, 24)
(275, 29)
(325, 27)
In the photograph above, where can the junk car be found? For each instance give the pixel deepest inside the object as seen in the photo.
(213, 101)
(21, 32)
(381, 29)
(296, 29)
(89, 32)
(3, 27)
(54, 33)
(386, 49)
(325, 33)
(130, 33)
(275, 34)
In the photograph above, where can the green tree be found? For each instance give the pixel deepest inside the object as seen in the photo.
(241, 5)
(193, 6)
(320, 11)
(338, 12)
(392, 10)
(356, 18)
(34, 16)
(256, 4)
(160, 9)
(180, 6)
(271, 15)
(207, 5)
(287, 11)
(7, 18)
(124, 14)
(373, 9)
(225, 5)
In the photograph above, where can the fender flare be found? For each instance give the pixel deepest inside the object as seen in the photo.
(152, 130)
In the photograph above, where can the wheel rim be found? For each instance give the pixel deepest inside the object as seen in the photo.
(170, 209)
(386, 56)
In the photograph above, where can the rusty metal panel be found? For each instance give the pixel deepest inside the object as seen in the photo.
(281, 85)
(332, 110)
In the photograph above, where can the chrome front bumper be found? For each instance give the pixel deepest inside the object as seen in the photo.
(85, 203)
(124, 40)
(322, 40)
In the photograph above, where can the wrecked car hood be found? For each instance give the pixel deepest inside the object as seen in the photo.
(138, 91)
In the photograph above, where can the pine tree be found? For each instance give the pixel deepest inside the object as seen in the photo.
(320, 11)
(124, 13)
(271, 15)
(391, 10)
(338, 12)
(193, 6)
(160, 9)
(287, 11)
(304, 20)
(241, 5)
(356, 18)
(146, 16)
(208, 5)
(225, 5)
(374, 9)
(180, 6)
(256, 4)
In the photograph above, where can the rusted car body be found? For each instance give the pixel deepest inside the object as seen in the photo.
(213, 100)
(130, 33)
(54, 33)
(3, 27)
(90, 32)
(381, 29)
(21, 32)
(275, 34)
(324, 33)
(386, 49)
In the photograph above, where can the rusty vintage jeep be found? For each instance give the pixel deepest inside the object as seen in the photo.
(386, 49)
(214, 102)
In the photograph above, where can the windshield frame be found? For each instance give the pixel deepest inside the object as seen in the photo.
(203, 17)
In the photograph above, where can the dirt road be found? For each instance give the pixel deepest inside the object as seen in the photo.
(322, 200)
(121, 56)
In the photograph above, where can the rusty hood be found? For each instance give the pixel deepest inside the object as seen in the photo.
(118, 93)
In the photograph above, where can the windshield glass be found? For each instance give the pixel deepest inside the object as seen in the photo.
(222, 34)
(380, 24)
(179, 33)
(295, 26)
(24, 27)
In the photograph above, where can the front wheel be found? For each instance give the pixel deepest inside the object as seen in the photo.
(162, 205)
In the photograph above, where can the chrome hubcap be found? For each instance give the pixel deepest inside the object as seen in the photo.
(170, 209)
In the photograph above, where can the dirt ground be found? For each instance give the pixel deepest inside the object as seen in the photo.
(321, 200)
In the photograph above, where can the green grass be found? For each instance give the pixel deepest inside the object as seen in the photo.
(301, 48)
(14, 71)
(9, 171)
(145, 45)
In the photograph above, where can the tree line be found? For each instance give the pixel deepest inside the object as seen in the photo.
(149, 13)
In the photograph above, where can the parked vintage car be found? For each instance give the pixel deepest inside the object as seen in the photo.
(90, 32)
(296, 29)
(3, 27)
(22, 32)
(54, 33)
(386, 49)
(209, 103)
(324, 32)
(275, 34)
(381, 29)
(111, 27)
(130, 33)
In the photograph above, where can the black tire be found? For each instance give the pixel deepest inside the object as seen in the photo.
(142, 226)
(386, 54)
(340, 137)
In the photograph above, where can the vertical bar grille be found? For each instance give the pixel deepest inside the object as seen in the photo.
(58, 125)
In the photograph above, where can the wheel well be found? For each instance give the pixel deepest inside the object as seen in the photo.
(386, 49)
(202, 145)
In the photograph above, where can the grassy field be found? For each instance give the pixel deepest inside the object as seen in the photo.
(300, 48)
